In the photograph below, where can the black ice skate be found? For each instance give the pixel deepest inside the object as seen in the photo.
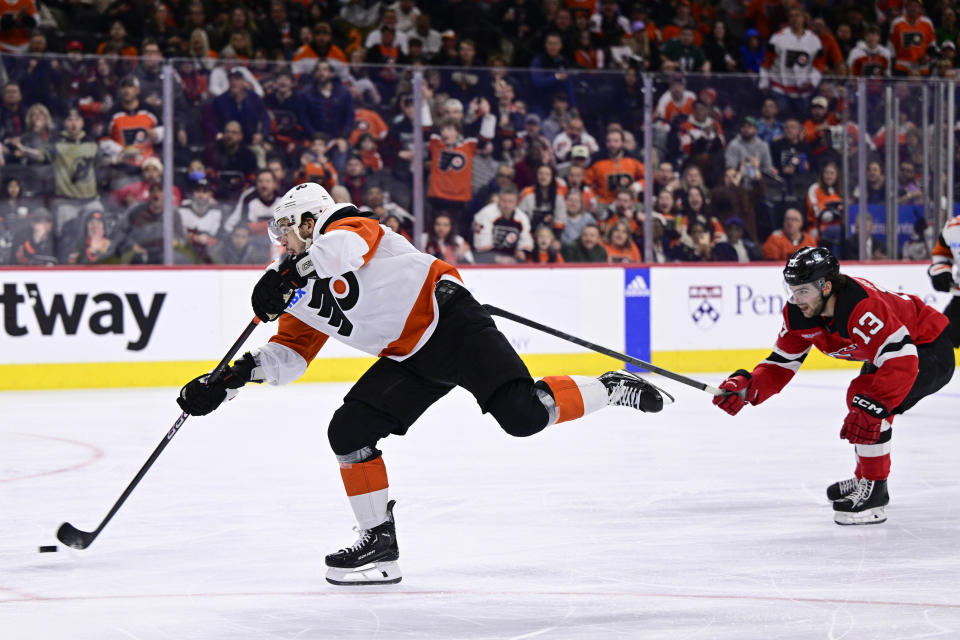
(624, 389)
(371, 560)
(866, 505)
(842, 489)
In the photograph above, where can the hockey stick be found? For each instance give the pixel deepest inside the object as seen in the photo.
(495, 311)
(73, 537)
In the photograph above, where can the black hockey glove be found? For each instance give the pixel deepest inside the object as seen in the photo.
(201, 396)
(271, 293)
(941, 275)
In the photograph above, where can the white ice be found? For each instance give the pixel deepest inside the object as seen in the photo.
(686, 524)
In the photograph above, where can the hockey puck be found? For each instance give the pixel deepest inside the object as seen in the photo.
(48, 548)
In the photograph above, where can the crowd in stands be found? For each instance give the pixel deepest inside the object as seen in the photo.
(532, 120)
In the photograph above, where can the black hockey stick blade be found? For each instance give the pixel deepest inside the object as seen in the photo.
(73, 537)
(496, 311)
(77, 539)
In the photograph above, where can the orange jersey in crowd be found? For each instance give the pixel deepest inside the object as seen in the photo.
(131, 130)
(323, 174)
(817, 201)
(451, 169)
(619, 254)
(870, 64)
(608, 175)
(15, 40)
(667, 109)
(910, 42)
(367, 121)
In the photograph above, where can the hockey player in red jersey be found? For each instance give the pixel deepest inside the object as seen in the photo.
(902, 342)
(353, 279)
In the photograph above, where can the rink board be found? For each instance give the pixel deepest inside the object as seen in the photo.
(88, 328)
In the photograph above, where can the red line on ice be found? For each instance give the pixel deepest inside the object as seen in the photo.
(95, 454)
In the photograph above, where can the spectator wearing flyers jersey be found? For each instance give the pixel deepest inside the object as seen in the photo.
(614, 171)
(869, 58)
(793, 65)
(132, 128)
(449, 187)
(501, 231)
(910, 36)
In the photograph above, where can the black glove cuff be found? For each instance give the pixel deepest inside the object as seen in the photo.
(867, 405)
(741, 372)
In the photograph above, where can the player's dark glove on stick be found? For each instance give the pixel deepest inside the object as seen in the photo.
(201, 396)
(941, 275)
(739, 385)
(862, 425)
(270, 294)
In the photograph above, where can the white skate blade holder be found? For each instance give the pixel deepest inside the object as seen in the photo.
(373, 573)
(869, 516)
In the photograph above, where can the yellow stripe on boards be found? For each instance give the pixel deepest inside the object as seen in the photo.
(97, 375)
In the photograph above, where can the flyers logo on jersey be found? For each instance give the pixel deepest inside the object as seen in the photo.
(452, 161)
(332, 296)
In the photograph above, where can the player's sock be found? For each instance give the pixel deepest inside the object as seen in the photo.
(573, 396)
(365, 480)
(873, 460)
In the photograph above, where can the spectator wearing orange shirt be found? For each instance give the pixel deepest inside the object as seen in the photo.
(910, 35)
(117, 41)
(821, 195)
(19, 19)
(615, 171)
(832, 54)
(781, 244)
(449, 187)
(618, 241)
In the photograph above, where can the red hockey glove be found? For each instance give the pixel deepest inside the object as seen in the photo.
(738, 384)
(862, 425)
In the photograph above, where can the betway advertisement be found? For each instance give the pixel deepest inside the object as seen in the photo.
(739, 307)
(144, 315)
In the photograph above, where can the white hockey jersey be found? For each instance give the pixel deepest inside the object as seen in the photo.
(946, 251)
(793, 63)
(374, 293)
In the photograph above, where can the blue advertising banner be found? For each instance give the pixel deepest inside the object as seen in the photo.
(636, 292)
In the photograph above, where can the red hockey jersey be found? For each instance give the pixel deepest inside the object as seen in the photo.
(869, 325)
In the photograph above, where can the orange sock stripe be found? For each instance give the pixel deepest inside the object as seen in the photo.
(364, 477)
(566, 394)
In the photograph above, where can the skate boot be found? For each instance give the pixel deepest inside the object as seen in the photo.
(866, 505)
(625, 389)
(842, 489)
(371, 560)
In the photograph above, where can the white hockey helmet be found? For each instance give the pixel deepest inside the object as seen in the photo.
(308, 198)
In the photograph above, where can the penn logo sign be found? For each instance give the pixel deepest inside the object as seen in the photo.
(705, 303)
(102, 313)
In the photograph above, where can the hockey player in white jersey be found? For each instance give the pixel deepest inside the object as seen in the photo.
(353, 279)
(946, 259)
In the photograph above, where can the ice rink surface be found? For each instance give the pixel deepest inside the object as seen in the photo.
(685, 524)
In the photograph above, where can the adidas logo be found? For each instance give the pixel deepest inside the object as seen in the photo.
(637, 288)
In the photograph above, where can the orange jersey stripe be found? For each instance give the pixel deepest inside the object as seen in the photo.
(364, 477)
(302, 338)
(421, 315)
(566, 394)
(367, 228)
